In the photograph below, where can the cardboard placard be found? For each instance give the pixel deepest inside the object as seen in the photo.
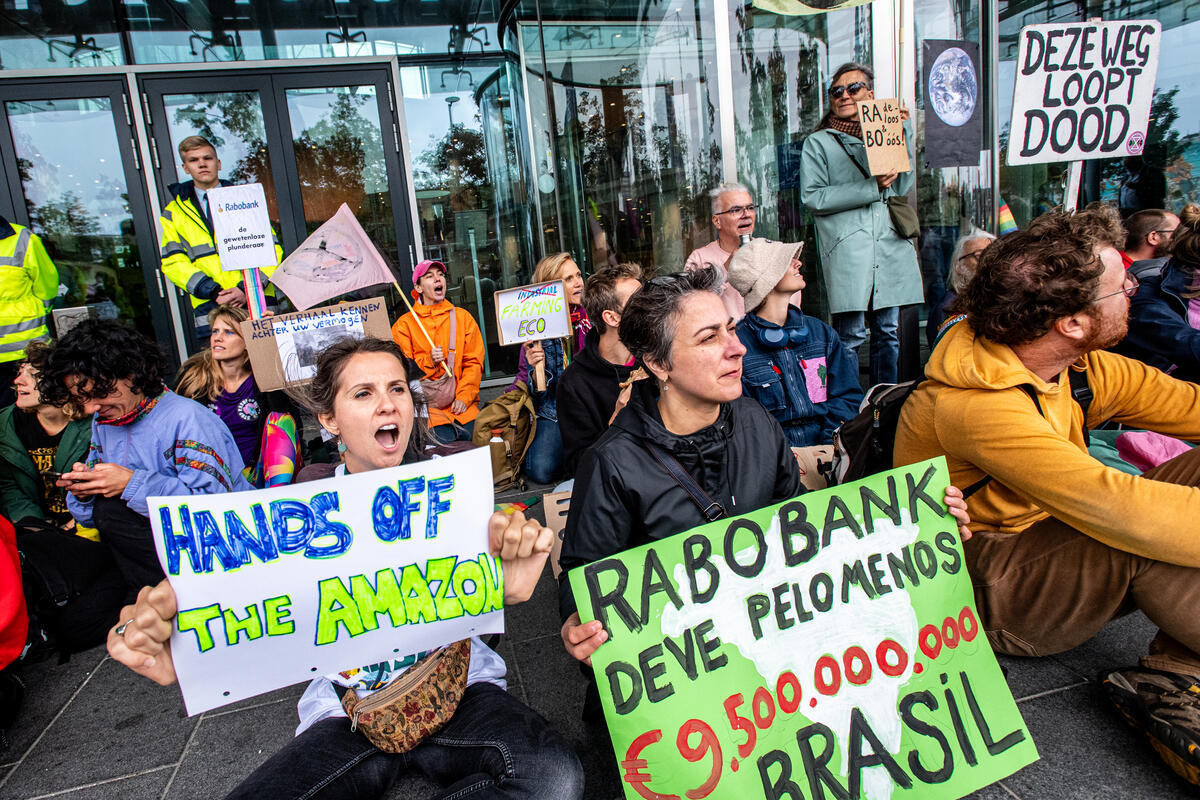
(883, 134)
(242, 227)
(283, 349)
(532, 313)
(1083, 90)
(354, 574)
(827, 642)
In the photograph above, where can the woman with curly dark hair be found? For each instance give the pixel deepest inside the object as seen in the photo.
(146, 440)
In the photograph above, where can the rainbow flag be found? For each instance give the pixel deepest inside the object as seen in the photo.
(1005, 219)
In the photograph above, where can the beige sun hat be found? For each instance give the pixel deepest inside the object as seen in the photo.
(757, 266)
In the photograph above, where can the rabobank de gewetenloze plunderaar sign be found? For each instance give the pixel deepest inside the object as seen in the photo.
(242, 227)
(1083, 90)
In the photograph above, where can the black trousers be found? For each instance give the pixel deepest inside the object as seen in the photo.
(131, 541)
(73, 589)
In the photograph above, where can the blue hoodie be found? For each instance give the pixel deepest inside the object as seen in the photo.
(809, 384)
(178, 447)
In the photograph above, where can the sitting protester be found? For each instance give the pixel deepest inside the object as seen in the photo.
(543, 462)
(493, 745)
(596, 385)
(691, 410)
(14, 625)
(38, 441)
(1164, 318)
(963, 263)
(1063, 543)
(795, 365)
(73, 589)
(146, 440)
(453, 403)
(220, 377)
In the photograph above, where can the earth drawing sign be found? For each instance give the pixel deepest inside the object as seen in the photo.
(953, 111)
(1083, 90)
(825, 647)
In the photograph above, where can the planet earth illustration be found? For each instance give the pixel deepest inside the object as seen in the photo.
(953, 87)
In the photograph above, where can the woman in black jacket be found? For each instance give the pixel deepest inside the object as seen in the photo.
(693, 409)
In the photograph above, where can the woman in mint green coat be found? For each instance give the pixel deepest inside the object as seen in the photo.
(870, 270)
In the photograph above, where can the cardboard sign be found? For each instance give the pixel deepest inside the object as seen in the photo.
(532, 313)
(883, 134)
(283, 349)
(241, 227)
(827, 646)
(350, 574)
(1083, 90)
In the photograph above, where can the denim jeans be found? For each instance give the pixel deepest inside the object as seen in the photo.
(494, 747)
(851, 328)
(544, 459)
(448, 434)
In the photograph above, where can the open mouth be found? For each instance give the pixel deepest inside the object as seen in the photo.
(388, 437)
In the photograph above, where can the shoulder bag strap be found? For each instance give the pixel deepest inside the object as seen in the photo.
(711, 509)
(1082, 393)
(842, 144)
(453, 336)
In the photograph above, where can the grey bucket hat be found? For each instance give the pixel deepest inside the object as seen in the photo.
(757, 266)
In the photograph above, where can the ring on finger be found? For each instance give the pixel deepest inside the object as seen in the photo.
(120, 631)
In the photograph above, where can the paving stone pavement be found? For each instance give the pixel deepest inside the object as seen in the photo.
(92, 729)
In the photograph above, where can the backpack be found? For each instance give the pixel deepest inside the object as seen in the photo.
(512, 414)
(863, 445)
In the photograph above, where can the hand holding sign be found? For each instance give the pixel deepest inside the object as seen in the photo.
(530, 314)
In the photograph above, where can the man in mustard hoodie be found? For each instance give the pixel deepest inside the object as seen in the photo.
(1062, 543)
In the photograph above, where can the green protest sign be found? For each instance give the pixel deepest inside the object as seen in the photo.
(825, 647)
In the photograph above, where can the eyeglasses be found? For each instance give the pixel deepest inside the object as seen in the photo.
(1167, 231)
(1129, 290)
(737, 210)
(837, 91)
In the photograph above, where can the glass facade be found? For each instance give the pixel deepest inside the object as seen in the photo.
(489, 134)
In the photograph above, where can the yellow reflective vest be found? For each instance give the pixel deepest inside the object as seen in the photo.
(28, 279)
(189, 253)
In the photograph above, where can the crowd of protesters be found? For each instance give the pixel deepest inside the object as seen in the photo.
(713, 369)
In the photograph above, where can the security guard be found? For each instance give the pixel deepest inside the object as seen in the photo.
(28, 279)
(189, 251)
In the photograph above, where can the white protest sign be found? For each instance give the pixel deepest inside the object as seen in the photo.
(281, 585)
(242, 227)
(532, 313)
(1083, 90)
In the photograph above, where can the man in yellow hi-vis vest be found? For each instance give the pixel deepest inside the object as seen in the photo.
(28, 280)
(188, 250)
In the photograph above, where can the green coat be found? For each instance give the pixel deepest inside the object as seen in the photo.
(20, 484)
(865, 262)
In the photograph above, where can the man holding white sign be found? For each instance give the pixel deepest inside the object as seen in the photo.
(188, 247)
(870, 268)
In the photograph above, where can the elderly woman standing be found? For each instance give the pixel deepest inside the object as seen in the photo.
(870, 269)
(146, 440)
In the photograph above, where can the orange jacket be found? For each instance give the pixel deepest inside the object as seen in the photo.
(468, 354)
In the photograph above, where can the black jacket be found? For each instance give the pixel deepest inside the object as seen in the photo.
(1159, 332)
(587, 394)
(623, 498)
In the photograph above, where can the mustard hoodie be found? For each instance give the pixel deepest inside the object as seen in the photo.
(972, 410)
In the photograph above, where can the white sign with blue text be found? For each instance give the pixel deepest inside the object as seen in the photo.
(242, 227)
(280, 585)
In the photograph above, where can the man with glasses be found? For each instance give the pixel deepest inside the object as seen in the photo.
(1148, 241)
(733, 215)
(870, 269)
(1063, 543)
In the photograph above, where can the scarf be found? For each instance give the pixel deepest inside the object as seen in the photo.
(143, 408)
(852, 127)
